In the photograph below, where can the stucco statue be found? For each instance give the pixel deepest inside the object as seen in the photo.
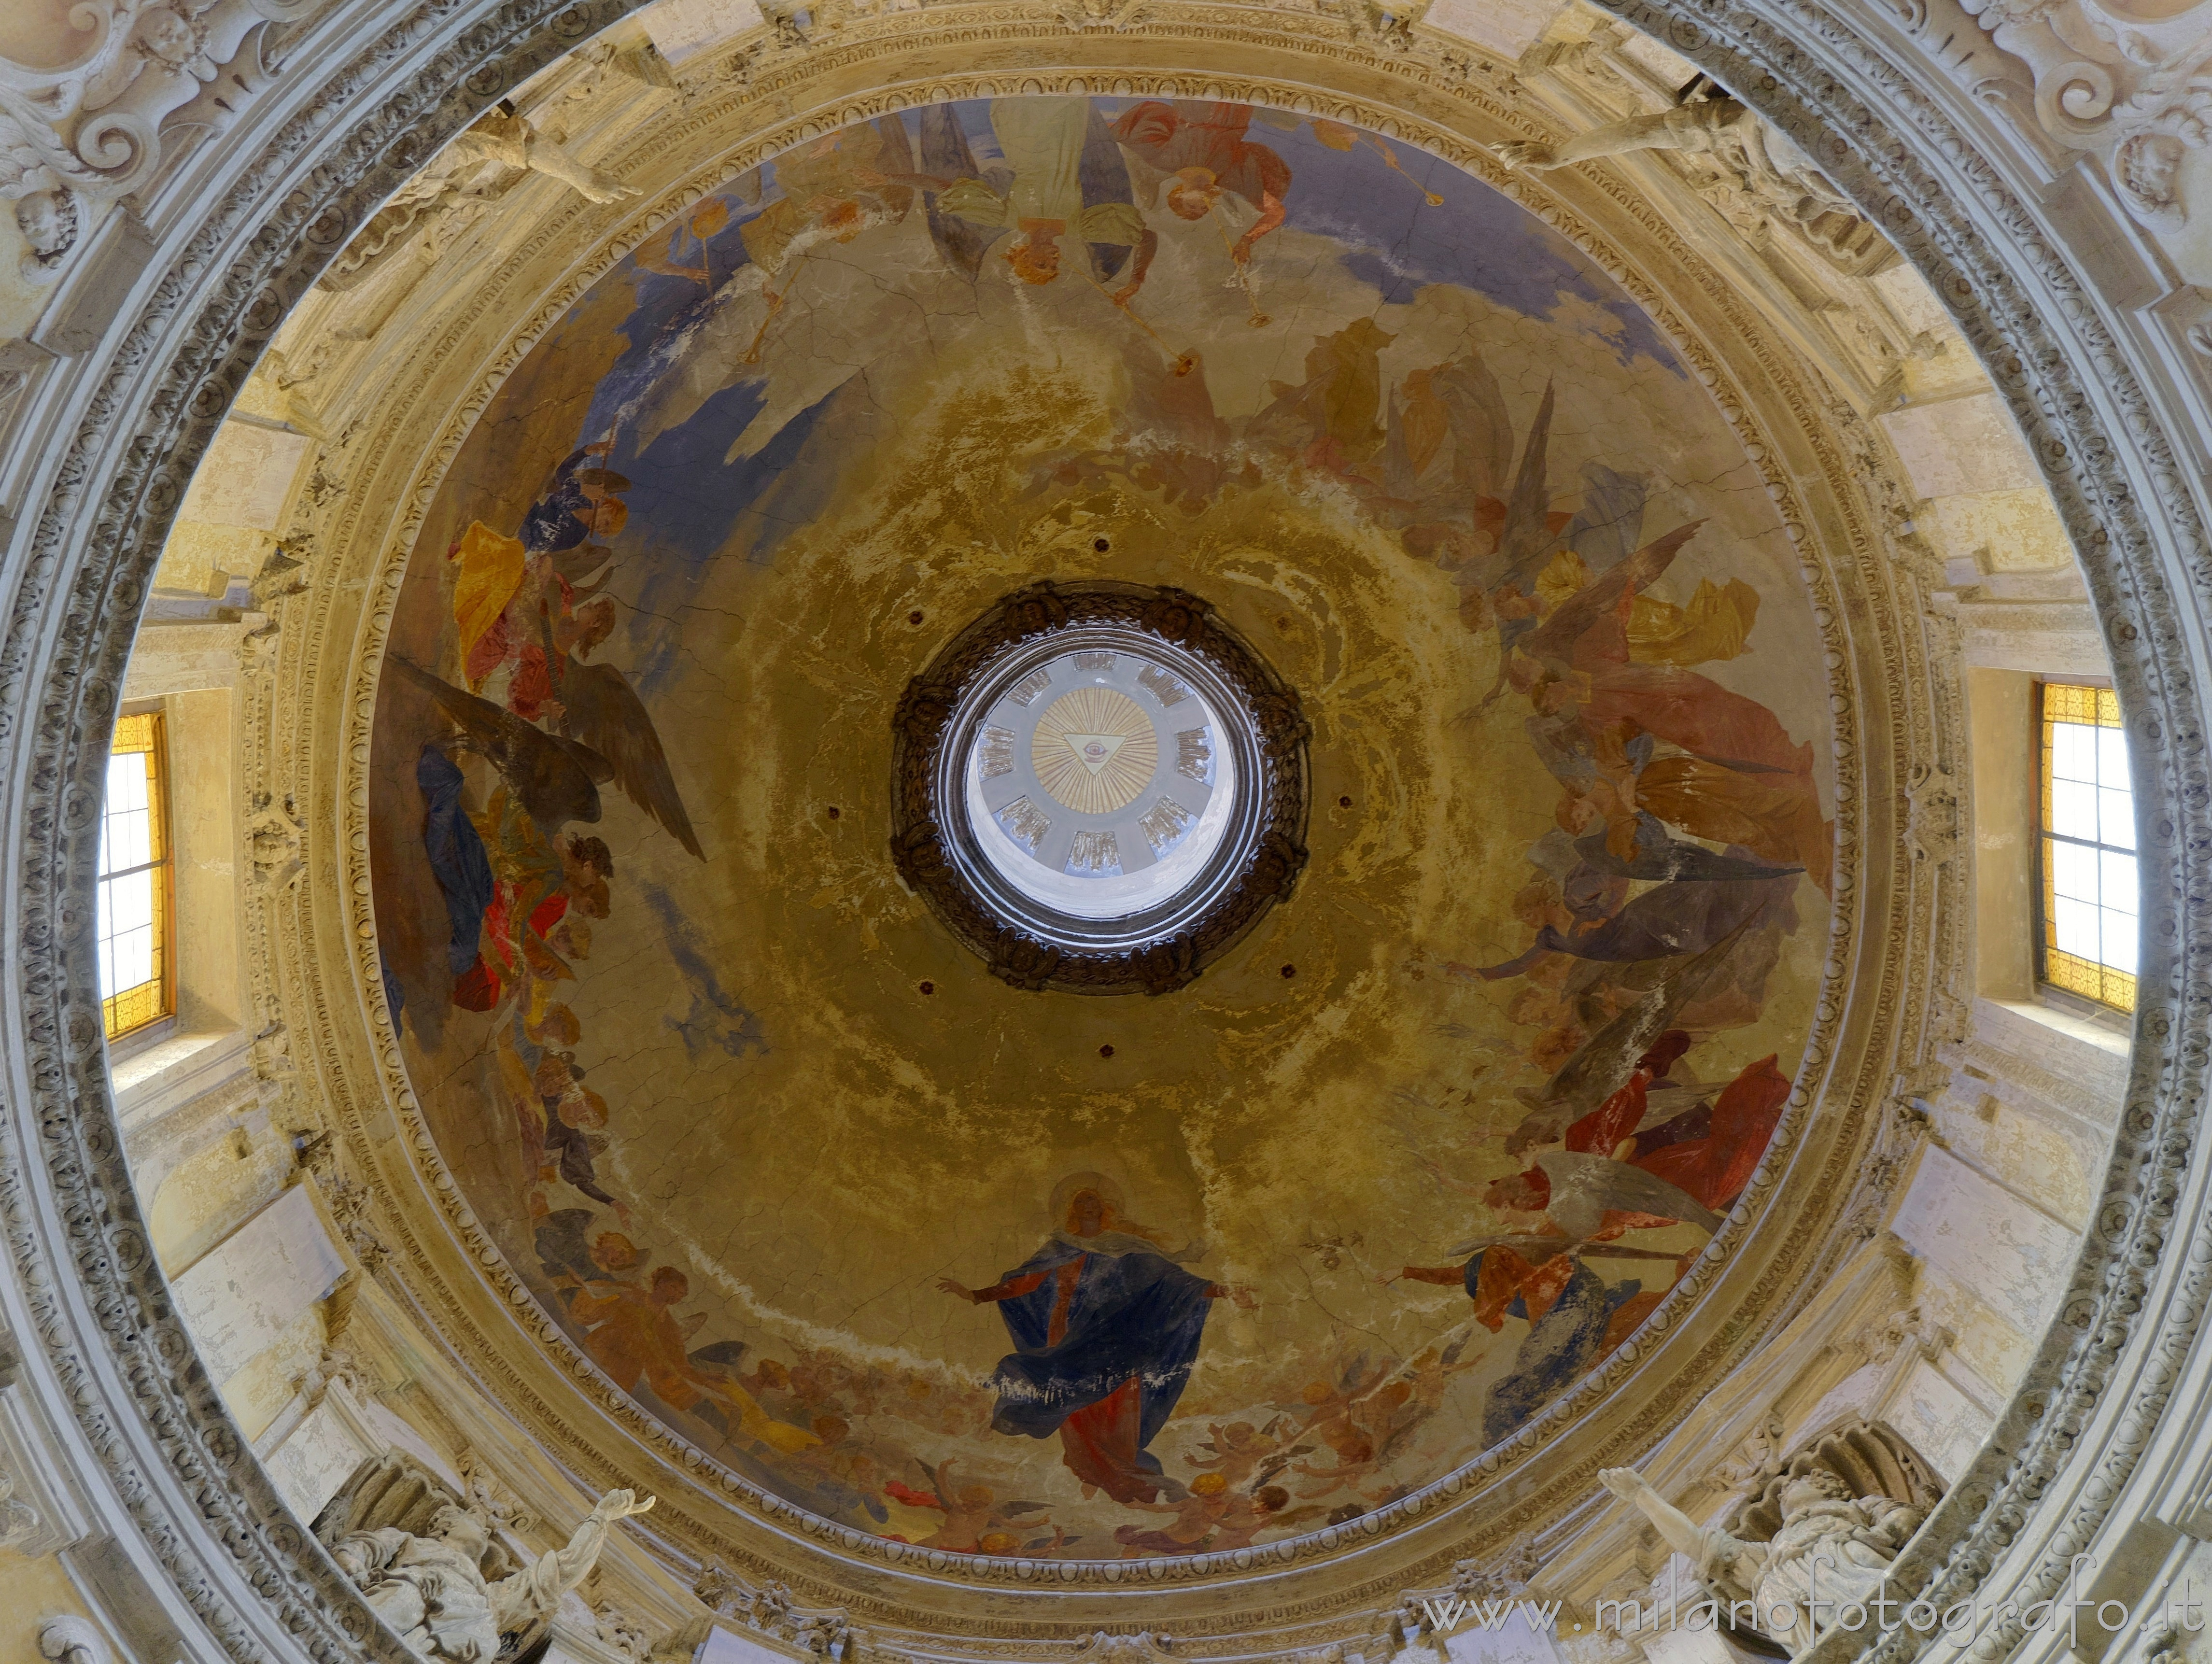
(1766, 163)
(1833, 1546)
(1706, 126)
(433, 1592)
(485, 160)
(513, 142)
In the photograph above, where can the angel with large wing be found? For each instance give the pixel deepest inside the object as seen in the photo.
(600, 709)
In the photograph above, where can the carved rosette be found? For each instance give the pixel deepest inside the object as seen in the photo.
(929, 828)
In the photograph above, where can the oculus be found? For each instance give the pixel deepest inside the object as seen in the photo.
(1099, 788)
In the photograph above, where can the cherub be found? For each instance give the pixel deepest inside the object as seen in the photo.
(48, 222)
(1264, 1509)
(633, 1334)
(176, 42)
(1431, 1373)
(1383, 1412)
(168, 39)
(1352, 1419)
(976, 1522)
(967, 1510)
(1207, 1504)
(1240, 1451)
(1355, 1460)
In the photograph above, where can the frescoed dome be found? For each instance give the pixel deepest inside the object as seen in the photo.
(739, 897)
(1124, 832)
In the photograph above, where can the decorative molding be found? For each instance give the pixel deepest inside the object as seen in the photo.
(1506, 1577)
(111, 1349)
(2136, 87)
(926, 837)
(2083, 393)
(96, 131)
(768, 1609)
(1847, 559)
(113, 1355)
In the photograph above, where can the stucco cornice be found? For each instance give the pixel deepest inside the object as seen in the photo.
(124, 428)
(1888, 961)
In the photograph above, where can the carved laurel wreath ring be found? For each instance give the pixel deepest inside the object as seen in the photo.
(936, 841)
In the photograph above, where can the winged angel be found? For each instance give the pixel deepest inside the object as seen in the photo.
(434, 1591)
(93, 129)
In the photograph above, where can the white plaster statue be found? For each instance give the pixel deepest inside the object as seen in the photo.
(1710, 126)
(508, 139)
(485, 160)
(1765, 162)
(432, 1589)
(1832, 1547)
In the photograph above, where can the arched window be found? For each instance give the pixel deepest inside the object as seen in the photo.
(2086, 856)
(135, 899)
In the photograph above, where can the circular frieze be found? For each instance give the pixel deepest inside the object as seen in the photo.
(1099, 788)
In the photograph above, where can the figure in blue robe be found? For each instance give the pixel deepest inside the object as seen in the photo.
(1106, 1325)
(1558, 1350)
(457, 856)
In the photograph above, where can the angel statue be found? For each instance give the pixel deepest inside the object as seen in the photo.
(432, 1589)
(1832, 1547)
(1765, 162)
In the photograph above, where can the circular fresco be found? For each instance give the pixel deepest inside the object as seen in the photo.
(1005, 1270)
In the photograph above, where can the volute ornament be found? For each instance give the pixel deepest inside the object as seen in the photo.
(96, 129)
(224, 1497)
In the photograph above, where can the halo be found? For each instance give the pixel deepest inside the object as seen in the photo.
(1067, 1190)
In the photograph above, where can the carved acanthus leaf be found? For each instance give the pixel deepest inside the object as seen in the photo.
(769, 1607)
(1757, 1459)
(622, 1632)
(1503, 1576)
(96, 129)
(1934, 815)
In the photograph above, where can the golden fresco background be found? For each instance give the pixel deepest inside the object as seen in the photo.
(736, 1107)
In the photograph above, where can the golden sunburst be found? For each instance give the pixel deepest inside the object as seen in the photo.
(1094, 751)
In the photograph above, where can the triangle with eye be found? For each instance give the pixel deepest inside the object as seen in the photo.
(1095, 751)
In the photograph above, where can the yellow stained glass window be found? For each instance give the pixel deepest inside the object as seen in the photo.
(134, 921)
(2087, 846)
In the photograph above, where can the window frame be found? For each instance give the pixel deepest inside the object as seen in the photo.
(2040, 890)
(162, 834)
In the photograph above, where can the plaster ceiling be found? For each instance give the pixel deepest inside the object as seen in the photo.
(753, 1127)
